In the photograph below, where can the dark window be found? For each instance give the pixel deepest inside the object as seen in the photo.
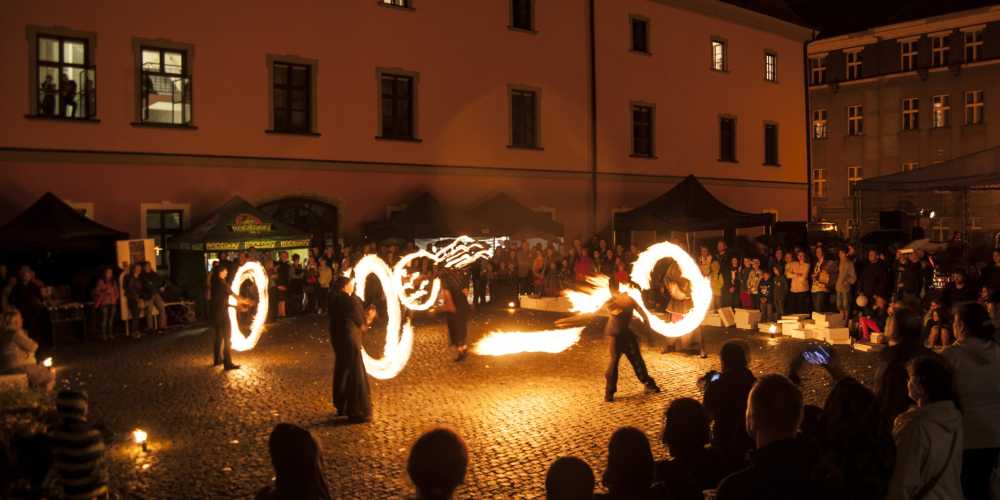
(640, 35)
(165, 86)
(520, 16)
(161, 225)
(770, 144)
(291, 98)
(727, 139)
(67, 83)
(642, 131)
(397, 107)
(523, 125)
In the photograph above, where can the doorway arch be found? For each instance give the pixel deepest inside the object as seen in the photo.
(319, 215)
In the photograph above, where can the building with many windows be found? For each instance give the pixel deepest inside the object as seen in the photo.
(911, 92)
(333, 114)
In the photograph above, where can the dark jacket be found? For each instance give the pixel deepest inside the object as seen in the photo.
(786, 470)
(132, 286)
(151, 284)
(726, 401)
(891, 376)
(347, 321)
(874, 280)
(686, 477)
(952, 294)
(911, 278)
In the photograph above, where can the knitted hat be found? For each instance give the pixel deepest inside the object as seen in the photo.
(756, 261)
(71, 404)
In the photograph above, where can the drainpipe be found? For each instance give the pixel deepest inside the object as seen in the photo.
(807, 74)
(593, 124)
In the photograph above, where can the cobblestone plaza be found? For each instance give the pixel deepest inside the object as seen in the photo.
(208, 429)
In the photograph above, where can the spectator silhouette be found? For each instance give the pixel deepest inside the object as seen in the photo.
(437, 464)
(928, 437)
(784, 465)
(629, 475)
(569, 478)
(298, 466)
(79, 449)
(695, 465)
(891, 376)
(726, 402)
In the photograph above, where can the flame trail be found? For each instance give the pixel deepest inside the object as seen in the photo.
(551, 341)
(255, 273)
(398, 337)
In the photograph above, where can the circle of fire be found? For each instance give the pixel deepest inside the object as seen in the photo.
(398, 336)
(701, 290)
(255, 273)
(407, 292)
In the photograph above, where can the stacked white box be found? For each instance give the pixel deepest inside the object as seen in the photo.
(712, 318)
(832, 320)
(747, 319)
(875, 337)
(727, 316)
(796, 317)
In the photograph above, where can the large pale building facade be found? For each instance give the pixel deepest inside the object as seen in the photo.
(898, 97)
(333, 114)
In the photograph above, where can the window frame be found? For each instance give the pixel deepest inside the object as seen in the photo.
(651, 129)
(940, 54)
(166, 206)
(723, 63)
(33, 33)
(818, 182)
(313, 64)
(530, 7)
(976, 44)
(941, 111)
(908, 59)
(856, 122)
(537, 112)
(775, 156)
(632, 20)
(817, 70)
(770, 66)
(976, 107)
(414, 103)
(853, 58)
(854, 175)
(140, 44)
(734, 135)
(819, 118)
(406, 5)
(910, 110)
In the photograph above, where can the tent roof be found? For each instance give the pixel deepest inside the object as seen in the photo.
(426, 218)
(52, 225)
(975, 171)
(238, 225)
(688, 207)
(506, 216)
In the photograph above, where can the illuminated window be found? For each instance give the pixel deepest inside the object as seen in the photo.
(397, 106)
(818, 70)
(941, 230)
(523, 118)
(727, 139)
(973, 45)
(853, 176)
(819, 123)
(977, 223)
(771, 67)
(771, 144)
(522, 15)
(855, 120)
(939, 51)
(909, 166)
(909, 55)
(719, 62)
(397, 3)
(854, 65)
(66, 79)
(910, 116)
(642, 130)
(819, 183)
(640, 34)
(165, 86)
(974, 107)
(942, 111)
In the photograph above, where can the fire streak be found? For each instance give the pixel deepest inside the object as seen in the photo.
(398, 336)
(255, 273)
(461, 252)
(551, 341)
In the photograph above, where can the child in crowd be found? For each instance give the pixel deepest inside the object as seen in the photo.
(765, 294)
(846, 277)
(753, 283)
(717, 281)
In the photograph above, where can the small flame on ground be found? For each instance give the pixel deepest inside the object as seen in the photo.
(551, 341)
(772, 329)
(140, 436)
(47, 362)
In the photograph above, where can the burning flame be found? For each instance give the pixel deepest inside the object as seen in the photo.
(772, 329)
(140, 436)
(398, 336)
(255, 273)
(461, 252)
(551, 341)
(47, 362)
(594, 297)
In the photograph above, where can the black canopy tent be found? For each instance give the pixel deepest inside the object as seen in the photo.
(426, 218)
(688, 207)
(506, 216)
(978, 171)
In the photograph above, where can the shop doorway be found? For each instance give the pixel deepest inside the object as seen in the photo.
(315, 217)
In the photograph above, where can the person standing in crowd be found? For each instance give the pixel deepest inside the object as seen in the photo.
(437, 464)
(106, 302)
(348, 320)
(723, 256)
(569, 478)
(911, 286)
(151, 284)
(798, 289)
(477, 270)
(717, 281)
(929, 436)
(79, 449)
(891, 375)
(629, 475)
(325, 277)
(845, 283)
(297, 460)
(824, 277)
(695, 466)
(524, 262)
(753, 283)
(705, 261)
(744, 280)
(726, 400)
(282, 273)
(780, 291)
(219, 317)
(132, 287)
(975, 359)
(26, 296)
(455, 303)
(958, 290)
(874, 280)
(17, 352)
(296, 286)
(766, 297)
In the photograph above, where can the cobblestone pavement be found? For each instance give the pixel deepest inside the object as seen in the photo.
(208, 429)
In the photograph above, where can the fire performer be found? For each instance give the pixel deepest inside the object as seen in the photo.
(219, 316)
(620, 338)
(455, 297)
(348, 320)
(679, 290)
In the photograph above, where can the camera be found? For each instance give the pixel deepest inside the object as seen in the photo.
(817, 355)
